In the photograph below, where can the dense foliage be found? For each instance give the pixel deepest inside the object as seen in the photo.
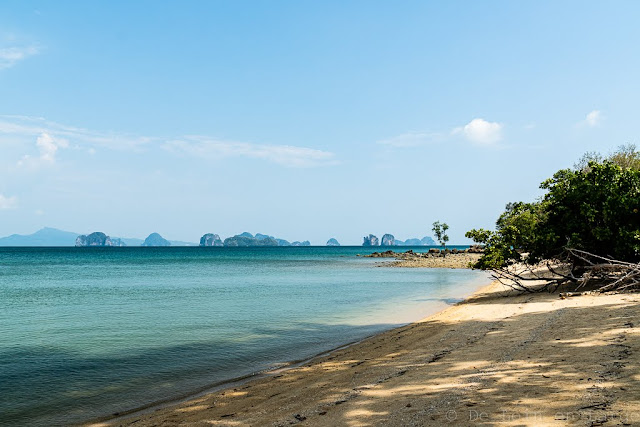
(594, 207)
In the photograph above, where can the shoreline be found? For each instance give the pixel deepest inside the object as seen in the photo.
(127, 417)
(495, 358)
(129, 414)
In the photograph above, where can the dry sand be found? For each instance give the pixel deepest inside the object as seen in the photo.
(491, 360)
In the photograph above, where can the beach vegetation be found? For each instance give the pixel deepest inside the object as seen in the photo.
(440, 230)
(588, 214)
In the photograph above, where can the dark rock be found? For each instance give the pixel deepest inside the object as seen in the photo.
(210, 239)
(94, 239)
(333, 242)
(388, 240)
(371, 240)
(305, 243)
(243, 240)
(154, 239)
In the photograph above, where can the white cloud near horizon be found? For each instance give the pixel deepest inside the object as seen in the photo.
(285, 155)
(8, 202)
(52, 136)
(10, 56)
(481, 131)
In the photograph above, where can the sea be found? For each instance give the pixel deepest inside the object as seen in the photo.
(87, 333)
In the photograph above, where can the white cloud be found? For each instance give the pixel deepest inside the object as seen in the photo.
(52, 136)
(481, 131)
(286, 155)
(410, 139)
(593, 119)
(10, 56)
(8, 202)
(48, 147)
(82, 138)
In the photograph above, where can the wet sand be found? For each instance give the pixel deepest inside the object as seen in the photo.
(531, 359)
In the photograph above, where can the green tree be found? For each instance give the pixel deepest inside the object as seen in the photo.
(593, 208)
(440, 230)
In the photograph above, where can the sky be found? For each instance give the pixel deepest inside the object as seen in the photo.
(305, 120)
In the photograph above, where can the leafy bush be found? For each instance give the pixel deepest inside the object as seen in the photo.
(594, 208)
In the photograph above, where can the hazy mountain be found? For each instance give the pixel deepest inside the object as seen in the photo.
(333, 242)
(44, 237)
(155, 239)
(425, 241)
(53, 237)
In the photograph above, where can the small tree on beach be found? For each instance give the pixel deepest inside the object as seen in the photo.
(440, 230)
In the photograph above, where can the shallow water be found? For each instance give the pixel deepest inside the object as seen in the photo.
(86, 332)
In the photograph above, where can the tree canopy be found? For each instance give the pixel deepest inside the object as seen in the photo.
(594, 207)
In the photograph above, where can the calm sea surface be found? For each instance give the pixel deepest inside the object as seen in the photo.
(87, 332)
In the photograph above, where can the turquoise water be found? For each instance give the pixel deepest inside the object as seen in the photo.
(88, 332)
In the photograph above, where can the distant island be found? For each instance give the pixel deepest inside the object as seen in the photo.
(155, 239)
(390, 240)
(53, 237)
(333, 242)
(248, 239)
(97, 239)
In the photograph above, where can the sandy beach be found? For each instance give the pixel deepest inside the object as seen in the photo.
(510, 360)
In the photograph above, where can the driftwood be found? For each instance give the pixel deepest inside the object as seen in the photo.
(579, 269)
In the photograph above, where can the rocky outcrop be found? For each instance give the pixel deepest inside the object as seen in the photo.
(154, 239)
(94, 239)
(333, 242)
(117, 242)
(210, 239)
(281, 242)
(388, 240)
(371, 240)
(243, 240)
(248, 239)
(425, 241)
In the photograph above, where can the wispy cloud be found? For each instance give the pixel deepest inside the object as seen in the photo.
(48, 147)
(8, 202)
(285, 155)
(52, 136)
(478, 131)
(411, 139)
(79, 137)
(10, 56)
(593, 119)
(481, 131)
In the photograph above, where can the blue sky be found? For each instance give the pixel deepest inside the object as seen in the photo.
(304, 120)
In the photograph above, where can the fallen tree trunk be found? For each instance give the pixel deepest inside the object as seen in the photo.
(579, 268)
